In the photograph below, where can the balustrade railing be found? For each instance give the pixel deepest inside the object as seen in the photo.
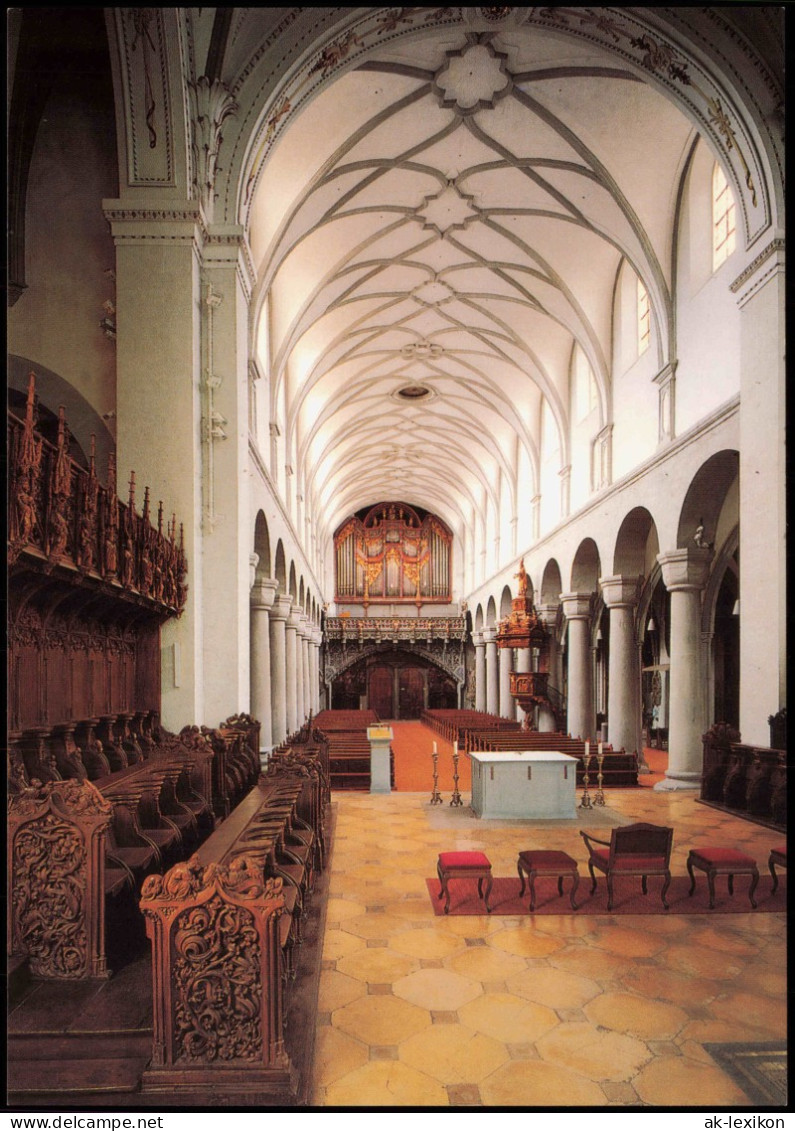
(59, 512)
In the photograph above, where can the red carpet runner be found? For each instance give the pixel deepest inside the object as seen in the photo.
(628, 898)
(412, 745)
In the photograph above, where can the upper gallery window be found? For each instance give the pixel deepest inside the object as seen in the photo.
(644, 319)
(723, 222)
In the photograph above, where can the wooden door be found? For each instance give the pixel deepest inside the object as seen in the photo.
(411, 693)
(380, 692)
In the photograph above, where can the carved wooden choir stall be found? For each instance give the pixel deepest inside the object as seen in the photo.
(106, 807)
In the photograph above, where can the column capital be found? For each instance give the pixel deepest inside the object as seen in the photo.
(294, 617)
(263, 592)
(478, 639)
(619, 591)
(548, 614)
(685, 569)
(489, 635)
(282, 607)
(576, 606)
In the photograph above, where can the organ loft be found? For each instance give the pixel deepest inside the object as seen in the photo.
(395, 533)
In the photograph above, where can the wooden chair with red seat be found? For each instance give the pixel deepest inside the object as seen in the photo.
(778, 856)
(633, 850)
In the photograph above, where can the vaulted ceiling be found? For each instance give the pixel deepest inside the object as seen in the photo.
(433, 234)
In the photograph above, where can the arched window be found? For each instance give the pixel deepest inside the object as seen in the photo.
(644, 319)
(723, 223)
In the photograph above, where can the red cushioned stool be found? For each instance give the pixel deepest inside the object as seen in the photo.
(722, 862)
(778, 856)
(464, 866)
(547, 863)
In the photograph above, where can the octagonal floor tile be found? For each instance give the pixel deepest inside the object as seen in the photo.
(676, 1081)
(701, 962)
(482, 964)
(626, 941)
(381, 1019)
(436, 989)
(415, 910)
(595, 1054)
(336, 944)
(725, 939)
(336, 1054)
(473, 926)
(637, 1016)
(766, 981)
(532, 1083)
(508, 1018)
(754, 1009)
(375, 925)
(426, 942)
(339, 910)
(337, 989)
(670, 985)
(525, 942)
(453, 1054)
(377, 964)
(557, 989)
(597, 964)
(564, 926)
(387, 1083)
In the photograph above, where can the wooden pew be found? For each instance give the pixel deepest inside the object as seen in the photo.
(235, 895)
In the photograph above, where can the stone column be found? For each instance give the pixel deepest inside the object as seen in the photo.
(523, 663)
(492, 672)
(623, 705)
(300, 691)
(506, 699)
(480, 671)
(305, 645)
(316, 680)
(263, 593)
(291, 668)
(547, 720)
(685, 574)
(579, 709)
(278, 619)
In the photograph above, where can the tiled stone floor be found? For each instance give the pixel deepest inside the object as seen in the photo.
(555, 1011)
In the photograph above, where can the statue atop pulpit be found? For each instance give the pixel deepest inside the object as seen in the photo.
(522, 578)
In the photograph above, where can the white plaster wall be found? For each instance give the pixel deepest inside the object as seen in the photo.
(634, 393)
(707, 318)
(660, 486)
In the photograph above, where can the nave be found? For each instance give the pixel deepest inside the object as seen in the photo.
(407, 1008)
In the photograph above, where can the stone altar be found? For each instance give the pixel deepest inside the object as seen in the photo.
(523, 783)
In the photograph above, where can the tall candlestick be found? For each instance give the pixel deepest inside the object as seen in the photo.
(436, 797)
(456, 798)
(587, 748)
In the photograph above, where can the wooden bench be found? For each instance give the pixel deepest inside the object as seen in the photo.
(243, 895)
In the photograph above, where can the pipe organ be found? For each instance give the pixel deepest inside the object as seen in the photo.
(393, 553)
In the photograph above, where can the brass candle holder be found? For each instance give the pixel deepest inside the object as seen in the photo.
(599, 796)
(436, 797)
(585, 803)
(455, 800)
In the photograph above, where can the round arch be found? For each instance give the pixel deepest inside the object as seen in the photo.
(262, 545)
(703, 502)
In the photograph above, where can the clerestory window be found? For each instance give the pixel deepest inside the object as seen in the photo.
(723, 218)
(644, 319)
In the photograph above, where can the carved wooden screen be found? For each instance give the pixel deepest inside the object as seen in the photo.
(393, 554)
